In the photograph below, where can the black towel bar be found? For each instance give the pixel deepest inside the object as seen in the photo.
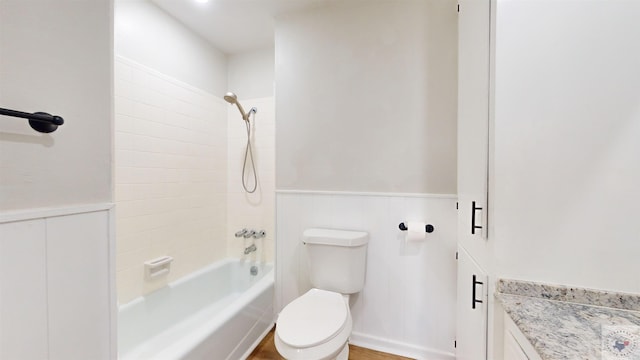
(39, 121)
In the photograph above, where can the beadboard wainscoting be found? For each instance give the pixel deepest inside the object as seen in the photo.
(407, 306)
(57, 283)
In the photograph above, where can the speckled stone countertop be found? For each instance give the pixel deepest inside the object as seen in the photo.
(570, 323)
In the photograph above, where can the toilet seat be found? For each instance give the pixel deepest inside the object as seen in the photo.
(316, 325)
(313, 318)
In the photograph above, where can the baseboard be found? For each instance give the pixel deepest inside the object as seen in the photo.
(398, 348)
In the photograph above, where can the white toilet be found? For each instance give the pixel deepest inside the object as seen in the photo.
(317, 325)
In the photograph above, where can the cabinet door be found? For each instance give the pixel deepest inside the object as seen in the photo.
(474, 29)
(471, 326)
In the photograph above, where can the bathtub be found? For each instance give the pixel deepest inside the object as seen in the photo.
(219, 312)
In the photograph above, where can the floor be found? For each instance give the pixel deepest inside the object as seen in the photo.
(266, 350)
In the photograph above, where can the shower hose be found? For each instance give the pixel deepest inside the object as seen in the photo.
(248, 154)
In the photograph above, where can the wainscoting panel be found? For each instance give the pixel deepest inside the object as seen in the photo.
(23, 290)
(57, 297)
(77, 278)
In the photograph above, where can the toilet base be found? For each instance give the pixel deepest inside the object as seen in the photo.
(344, 354)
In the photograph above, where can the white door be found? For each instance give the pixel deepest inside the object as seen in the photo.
(471, 309)
(474, 23)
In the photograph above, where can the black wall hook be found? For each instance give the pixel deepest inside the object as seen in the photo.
(428, 228)
(39, 121)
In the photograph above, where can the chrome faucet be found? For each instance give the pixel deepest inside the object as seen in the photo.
(250, 249)
(249, 234)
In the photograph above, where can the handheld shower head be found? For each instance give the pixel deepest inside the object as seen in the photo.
(232, 98)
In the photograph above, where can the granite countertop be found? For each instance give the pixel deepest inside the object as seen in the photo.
(570, 323)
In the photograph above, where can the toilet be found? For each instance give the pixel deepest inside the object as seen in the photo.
(317, 325)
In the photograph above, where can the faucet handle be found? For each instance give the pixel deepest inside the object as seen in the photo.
(241, 232)
(259, 234)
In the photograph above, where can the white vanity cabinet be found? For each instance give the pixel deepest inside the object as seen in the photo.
(516, 346)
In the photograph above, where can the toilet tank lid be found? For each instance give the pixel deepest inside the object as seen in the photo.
(335, 237)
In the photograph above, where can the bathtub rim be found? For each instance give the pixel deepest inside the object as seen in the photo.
(214, 265)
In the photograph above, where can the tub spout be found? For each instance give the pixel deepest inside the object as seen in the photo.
(250, 249)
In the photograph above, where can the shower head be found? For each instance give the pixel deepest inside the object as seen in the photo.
(232, 98)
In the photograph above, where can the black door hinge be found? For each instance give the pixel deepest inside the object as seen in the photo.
(456, 205)
(456, 255)
(458, 7)
(455, 344)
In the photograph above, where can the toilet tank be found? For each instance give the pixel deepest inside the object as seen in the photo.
(337, 259)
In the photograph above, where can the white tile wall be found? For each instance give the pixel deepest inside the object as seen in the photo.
(56, 287)
(408, 303)
(170, 176)
(257, 210)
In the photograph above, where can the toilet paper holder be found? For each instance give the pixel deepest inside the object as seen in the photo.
(427, 228)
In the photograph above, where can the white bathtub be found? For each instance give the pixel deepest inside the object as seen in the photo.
(219, 312)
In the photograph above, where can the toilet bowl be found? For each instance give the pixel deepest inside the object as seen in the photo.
(315, 326)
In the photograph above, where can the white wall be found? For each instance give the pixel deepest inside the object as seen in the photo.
(567, 123)
(56, 58)
(251, 74)
(146, 34)
(366, 97)
(407, 305)
(170, 176)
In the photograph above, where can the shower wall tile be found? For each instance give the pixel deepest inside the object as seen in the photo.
(170, 176)
(407, 304)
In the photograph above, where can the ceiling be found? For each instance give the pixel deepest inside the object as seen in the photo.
(233, 26)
